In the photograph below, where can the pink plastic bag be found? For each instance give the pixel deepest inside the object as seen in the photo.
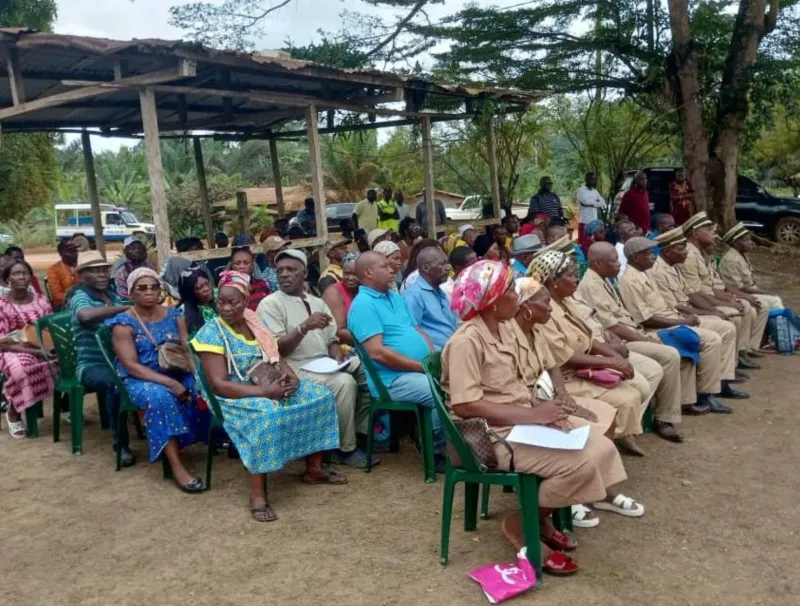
(501, 582)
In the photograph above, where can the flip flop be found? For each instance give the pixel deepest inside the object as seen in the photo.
(265, 512)
(560, 565)
(329, 476)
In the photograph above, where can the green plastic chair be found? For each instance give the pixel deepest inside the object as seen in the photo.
(216, 412)
(648, 419)
(67, 385)
(385, 402)
(524, 484)
(104, 341)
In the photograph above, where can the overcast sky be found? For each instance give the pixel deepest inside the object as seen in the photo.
(126, 19)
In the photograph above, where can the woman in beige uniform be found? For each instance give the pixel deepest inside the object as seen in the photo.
(573, 348)
(484, 374)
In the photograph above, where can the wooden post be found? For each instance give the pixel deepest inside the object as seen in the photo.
(276, 175)
(91, 190)
(205, 203)
(494, 175)
(155, 170)
(317, 179)
(427, 161)
(244, 213)
(15, 76)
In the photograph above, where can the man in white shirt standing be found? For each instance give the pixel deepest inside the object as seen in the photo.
(589, 201)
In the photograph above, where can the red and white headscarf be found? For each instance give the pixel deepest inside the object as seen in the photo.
(479, 286)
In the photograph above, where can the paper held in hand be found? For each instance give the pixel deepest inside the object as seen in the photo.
(324, 366)
(547, 437)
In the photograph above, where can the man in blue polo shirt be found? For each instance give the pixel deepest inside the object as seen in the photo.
(381, 321)
(429, 306)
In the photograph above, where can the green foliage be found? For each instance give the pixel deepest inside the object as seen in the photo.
(34, 229)
(350, 163)
(37, 14)
(28, 173)
(400, 159)
(185, 214)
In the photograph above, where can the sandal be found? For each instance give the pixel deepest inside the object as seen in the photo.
(560, 564)
(16, 428)
(624, 506)
(560, 541)
(329, 476)
(263, 513)
(581, 517)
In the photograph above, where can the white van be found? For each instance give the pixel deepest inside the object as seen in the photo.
(118, 222)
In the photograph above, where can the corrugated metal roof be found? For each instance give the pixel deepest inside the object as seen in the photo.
(54, 63)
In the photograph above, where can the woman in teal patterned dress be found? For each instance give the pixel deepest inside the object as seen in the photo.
(272, 423)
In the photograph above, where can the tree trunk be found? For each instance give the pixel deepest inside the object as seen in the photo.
(686, 84)
(752, 24)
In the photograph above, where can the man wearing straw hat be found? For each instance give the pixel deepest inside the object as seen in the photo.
(707, 290)
(736, 270)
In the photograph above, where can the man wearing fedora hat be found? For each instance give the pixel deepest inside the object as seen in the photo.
(92, 304)
(335, 250)
(523, 248)
(707, 290)
(736, 270)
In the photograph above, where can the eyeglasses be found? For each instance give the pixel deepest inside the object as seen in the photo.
(148, 288)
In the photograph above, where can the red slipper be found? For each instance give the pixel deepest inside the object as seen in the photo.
(560, 564)
(560, 541)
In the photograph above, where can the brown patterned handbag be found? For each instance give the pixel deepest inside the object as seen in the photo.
(478, 436)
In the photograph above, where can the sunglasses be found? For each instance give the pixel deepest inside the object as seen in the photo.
(147, 288)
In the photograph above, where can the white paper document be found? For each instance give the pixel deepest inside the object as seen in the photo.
(547, 437)
(324, 366)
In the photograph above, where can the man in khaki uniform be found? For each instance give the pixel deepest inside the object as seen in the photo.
(672, 288)
(645, 304)
(735, 268)
(707, 290)
(596, 293)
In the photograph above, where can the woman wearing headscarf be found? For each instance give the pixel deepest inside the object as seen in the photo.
(271, 416)
(391, 251)
(197, 296)
(595, 231)
(166, 396)
(574, 348)
(485, 375)
(545, 378)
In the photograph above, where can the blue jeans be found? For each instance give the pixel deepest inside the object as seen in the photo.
(99, 379)
(414, 387)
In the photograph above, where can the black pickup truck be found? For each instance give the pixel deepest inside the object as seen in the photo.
(765, 214)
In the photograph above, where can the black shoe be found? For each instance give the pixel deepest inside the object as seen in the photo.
(741, 377)
(746, 363)
(716, 406)
(667, 431)
(695, 409)
(126, 457)
(194, 487)
(732, 393)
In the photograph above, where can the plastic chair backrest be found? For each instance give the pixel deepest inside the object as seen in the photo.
(60, 327)
(211, 397)
(106, 344)
(47, 292)
(372, 372)
(433, 370)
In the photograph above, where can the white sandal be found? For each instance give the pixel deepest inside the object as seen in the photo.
(16, 428)
(624, 506)
(581, 519)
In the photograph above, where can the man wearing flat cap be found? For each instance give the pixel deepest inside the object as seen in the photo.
(305, 330)
(707, 291)
(644, 302)
(736, 270)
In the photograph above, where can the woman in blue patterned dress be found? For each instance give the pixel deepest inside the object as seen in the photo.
(270, 423)
(167, 398)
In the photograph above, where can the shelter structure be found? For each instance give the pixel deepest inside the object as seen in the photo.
(153, 89)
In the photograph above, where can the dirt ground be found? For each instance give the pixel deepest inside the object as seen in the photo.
(720, 528)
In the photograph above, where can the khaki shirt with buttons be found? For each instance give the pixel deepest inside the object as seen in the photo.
(735, 269)
(642, 298)
(477, 366)
(566, 333)
(670, 283)
(601, 298)
(696, 272)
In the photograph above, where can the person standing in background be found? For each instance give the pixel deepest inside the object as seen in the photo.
(545, 201)
(388, 217)
(681, 198)
(589, 201)
(636, 203)
(400, 203)
(365, 214)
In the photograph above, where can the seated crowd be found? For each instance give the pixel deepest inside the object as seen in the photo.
(533, 329)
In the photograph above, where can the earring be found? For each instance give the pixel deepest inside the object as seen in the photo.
(528, 315)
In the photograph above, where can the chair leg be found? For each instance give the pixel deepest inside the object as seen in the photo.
(122, 420)
(32, 419)
(370, 438)
(426, 439)
(648, 420)
(210, 455)
(485, 501)
(166, 467)
(447, 516)
(394, 436)
(101, 407)
(471, 505)
(57, 397)
(138, 424)
(528, 498)
(76, 419)
(562, 519)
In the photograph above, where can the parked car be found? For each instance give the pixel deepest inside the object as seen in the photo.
(471, 209)
(118, 223)
(763, 213)
(334, 214)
